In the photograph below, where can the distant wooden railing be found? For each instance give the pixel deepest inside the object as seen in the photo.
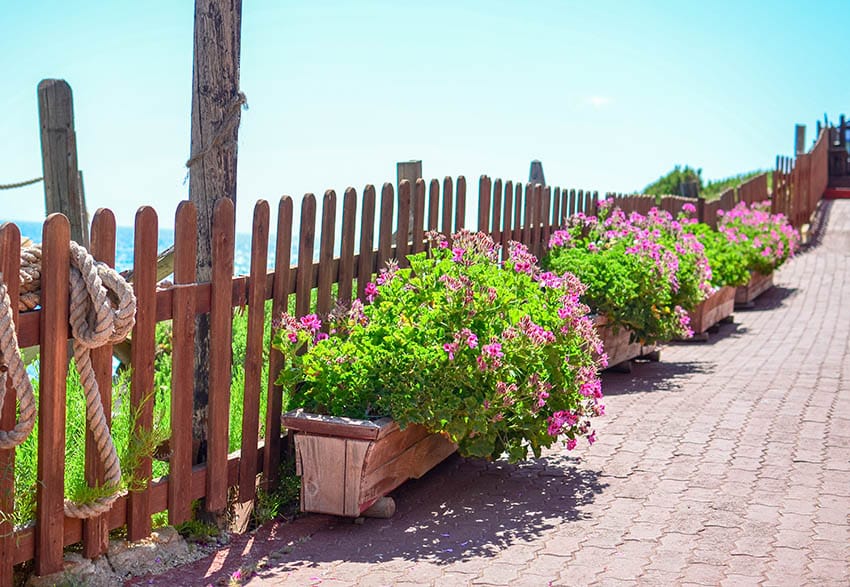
(799, 184)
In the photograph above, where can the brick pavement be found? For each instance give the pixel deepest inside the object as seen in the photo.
(728, 463)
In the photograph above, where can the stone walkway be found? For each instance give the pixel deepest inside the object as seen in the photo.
(726, 463)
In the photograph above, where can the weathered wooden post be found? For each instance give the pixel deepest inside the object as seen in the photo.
(411, 171)
(216, 113)
(799, 139)
(62, 179)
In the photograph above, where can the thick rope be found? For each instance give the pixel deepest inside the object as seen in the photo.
(12, 367)
(102, 311)
(20, 184)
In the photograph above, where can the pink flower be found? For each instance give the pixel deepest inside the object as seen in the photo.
(371, 291)
(451, 349)
(571, 443)
(689, 208)
(493, 350)
(311, 323)
(591, 438)
(457, 254)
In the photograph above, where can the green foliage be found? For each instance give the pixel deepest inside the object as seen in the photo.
(642, 272)
(458, 344)
(728, 260)
(670, 184)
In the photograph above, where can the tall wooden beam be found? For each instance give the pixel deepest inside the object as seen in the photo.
(62, 179)
(216, 113)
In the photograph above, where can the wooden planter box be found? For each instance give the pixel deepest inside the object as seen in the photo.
(617, 346)
(758, 284)
(713, 309)
(346, 465)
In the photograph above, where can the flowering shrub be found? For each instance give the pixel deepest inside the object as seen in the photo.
(726, 258)
(499, 357)
(642, 272)
(768, 239)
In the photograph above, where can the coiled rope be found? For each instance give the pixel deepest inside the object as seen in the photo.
(102, 311)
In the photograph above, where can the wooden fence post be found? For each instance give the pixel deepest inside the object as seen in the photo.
(62, 179)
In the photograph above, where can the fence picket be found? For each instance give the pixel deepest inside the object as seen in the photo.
(447, 206)
(507, 229)
(529, 213)
(460, 203)
(254, 351)
(385, 231)
(10, 261)
(483, 203)
(221, 355)
(56, 236)
(182, 363)
(419, 216)
(346, 253)
(434, 205)
(281, 289)
(555, 223)
(306, 240)
(367, 235)
(403, 222)
(326, 256)
(519, 203)
(96, 530)
(146, 235)
(495, 227)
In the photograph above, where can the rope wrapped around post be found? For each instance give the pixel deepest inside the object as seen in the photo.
(102, 311)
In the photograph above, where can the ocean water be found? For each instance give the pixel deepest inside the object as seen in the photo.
(124, 246)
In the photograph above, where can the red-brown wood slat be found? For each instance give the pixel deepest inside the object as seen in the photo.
(95, 530)
(221, 354)
(556, 222)
(508, 206)
(367, 235)
(146, 235)
(254, 351)
(528, 216)
(326, 255)
(434, 205)
(447, 206)
(419, 216)
(56, 238)
(537, 218)
(519, 203)
(182, 363)
(346, 254)
(403, 223)
(592, 206)
(460, 204)
(495, 227)
(385, 230)
(571, 206)
(10, 261)
(280, 303)
(306, 240)
(546, 229)
(484, 201)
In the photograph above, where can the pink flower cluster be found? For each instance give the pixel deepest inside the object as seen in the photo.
(774, 239)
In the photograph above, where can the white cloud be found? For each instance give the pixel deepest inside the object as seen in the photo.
(598, 102)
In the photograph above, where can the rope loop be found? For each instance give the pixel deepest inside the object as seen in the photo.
(102, 311)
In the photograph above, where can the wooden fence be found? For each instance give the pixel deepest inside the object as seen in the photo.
(508, 211)
(799, 184)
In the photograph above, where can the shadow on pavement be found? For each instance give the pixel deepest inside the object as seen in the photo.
(773, 298)
(654, 377)
(460, 510)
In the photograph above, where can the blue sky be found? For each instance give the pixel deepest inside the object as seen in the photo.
(609, 95)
